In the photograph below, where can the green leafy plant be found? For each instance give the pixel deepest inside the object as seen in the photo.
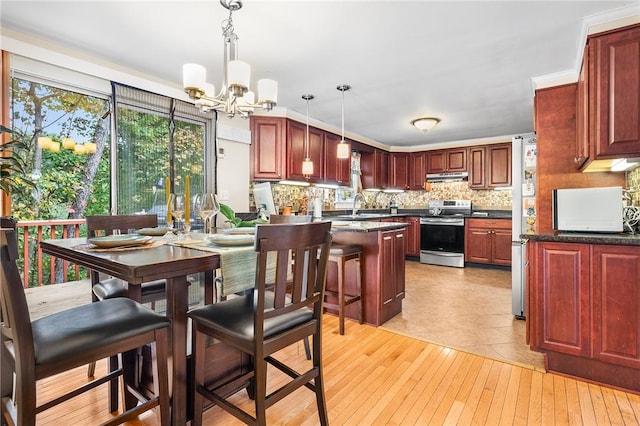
(12, 166)
(231, 217)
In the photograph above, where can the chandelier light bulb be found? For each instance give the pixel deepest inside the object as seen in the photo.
(344, 149)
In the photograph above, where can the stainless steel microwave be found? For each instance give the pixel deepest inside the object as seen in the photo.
(588, 209)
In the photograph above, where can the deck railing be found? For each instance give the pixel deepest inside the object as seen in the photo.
(47, 269)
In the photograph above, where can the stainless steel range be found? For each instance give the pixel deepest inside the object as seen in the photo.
(442, 233)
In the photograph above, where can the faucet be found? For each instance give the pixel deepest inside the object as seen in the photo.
(360, 196)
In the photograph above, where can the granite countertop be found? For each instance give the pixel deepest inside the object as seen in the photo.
(364, 226)
(621, 239)
(371, 214)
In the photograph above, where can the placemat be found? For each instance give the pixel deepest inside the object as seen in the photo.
(91, 247)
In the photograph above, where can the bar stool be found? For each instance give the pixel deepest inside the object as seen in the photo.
(340, 254)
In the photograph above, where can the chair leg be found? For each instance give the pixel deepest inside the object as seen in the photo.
(198, 343)
(159, 354)
(91, 369)
(113, 385)
(341, 278)
(25, 397)
(319, 381)
(307, 348)
(359, 288)
(260, 382)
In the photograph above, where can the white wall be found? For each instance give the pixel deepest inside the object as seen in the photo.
(233, 169)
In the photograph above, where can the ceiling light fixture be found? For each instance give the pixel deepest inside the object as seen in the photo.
(344, 151)
(307, 164)
(234, 96)
(425, 123)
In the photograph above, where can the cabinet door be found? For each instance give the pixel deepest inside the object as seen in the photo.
(615, 88)
(457, 160)
(477, 245)
(582, 116)
(498, 165)
(387, 290)
(267, 152)
(398, 264)
(412, 236)
(335, 169)
(417, 170)
(399, 170)
(296, 149)
(561, 300)
(501, 250)
(436, 161)
(616, 304)
(477, 166)
(382, 169)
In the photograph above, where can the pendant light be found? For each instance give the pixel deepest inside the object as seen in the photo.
(307, 164)
(344, 151)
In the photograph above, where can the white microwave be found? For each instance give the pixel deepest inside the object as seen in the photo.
(588, 209)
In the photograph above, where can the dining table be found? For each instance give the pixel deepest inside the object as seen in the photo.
(142, 264)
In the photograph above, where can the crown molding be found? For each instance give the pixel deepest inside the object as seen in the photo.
(592, 24)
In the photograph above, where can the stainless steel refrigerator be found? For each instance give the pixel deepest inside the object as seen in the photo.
(523, 180)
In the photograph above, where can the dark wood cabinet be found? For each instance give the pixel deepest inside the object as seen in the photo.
(417, 170)
(447, 160)
(584, 310)
(613, 87)
(490, 166)
(374, 168)
(296, 151)
(336, 170)
(399, 170)
(498, 165)
(488, 241)
(392, 249)
(268, 148)
(615, 290)
(560, 298)
(582, 116)
(412, 236)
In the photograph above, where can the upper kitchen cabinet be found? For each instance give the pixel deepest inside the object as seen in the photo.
(582, 117)
(614, 84)
(447, 160)
(417, 170)
(399, 166)
(335, 169)
(490, 166)
(296, 149)
(268, 148)
(374, 168)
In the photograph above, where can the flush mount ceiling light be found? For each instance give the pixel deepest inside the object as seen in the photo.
(344, 150)
(307, 164)
(234, 96)
(425, 123)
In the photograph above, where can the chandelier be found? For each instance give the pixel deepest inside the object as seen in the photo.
(234, 96)
(307, 164)
(344, 150)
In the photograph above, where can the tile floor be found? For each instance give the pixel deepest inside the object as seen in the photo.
(464, 308)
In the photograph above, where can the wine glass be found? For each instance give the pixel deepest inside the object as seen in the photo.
(206, 206)
(176, 207)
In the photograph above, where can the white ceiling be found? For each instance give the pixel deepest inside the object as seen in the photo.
(469, 63)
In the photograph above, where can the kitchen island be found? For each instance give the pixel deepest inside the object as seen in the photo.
(583, 305)
(383, 264)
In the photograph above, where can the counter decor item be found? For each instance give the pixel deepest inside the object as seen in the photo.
(235, 221)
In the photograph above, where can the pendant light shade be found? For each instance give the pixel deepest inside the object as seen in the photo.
(307, 164)
(344, 150)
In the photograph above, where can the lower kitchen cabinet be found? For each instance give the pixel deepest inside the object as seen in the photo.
(584, 310)
(392, 245)
(488, 241)
(412, 236)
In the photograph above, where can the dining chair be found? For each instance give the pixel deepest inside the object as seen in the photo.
(32, 351)
(269, 319)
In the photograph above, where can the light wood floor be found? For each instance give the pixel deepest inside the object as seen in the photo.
(376, 376)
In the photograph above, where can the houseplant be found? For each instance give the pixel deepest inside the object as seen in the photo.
(12, 167)
(237, 222)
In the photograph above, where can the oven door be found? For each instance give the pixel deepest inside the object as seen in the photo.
(442, 235)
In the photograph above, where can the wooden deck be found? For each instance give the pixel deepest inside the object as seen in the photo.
(373, 376)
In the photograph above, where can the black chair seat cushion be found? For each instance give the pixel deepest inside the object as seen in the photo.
(344, 249)
(95, 325)
(235, 316)
(114, 287)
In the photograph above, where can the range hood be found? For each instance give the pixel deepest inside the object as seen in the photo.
(447, 177)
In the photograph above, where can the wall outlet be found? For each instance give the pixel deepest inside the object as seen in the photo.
(224, 195)
(220, 152)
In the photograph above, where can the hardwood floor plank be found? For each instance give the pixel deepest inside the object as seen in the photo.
(535, 401)
(522, 398)
(560, 400)
(587, 411)
(511, 397)
(599, 406)
(474, 396)
(628, 416)
(484, 404)
(499, 395)
(573, 402)
(609, 398)
(548, 400)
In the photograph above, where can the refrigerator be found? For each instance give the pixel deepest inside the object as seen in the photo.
(523, 180)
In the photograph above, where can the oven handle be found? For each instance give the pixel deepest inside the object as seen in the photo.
(441, 254)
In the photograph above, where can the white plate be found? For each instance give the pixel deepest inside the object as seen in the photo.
(245, 230)
(232, 240)
(111, 241)
(156, 232)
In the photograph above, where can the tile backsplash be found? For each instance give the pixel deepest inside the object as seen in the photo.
(633, 185)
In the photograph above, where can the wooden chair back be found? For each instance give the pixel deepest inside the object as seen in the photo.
(310, 244)
(280, 218)
(108, 224)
